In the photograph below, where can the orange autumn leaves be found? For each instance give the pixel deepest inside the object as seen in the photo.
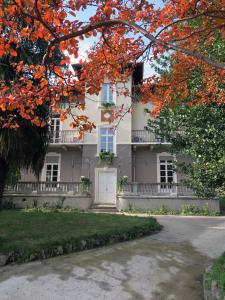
(186, 24)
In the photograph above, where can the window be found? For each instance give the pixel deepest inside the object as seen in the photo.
(107, 93)
(106, 140)
(166, 175)
(52, 172)
(166, 171)
(55, 130)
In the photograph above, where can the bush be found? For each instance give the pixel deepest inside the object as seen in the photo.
(217, 274)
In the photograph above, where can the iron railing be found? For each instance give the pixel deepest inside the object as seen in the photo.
(156, 189)
(43, 187)
(65, 137)
(145, 136)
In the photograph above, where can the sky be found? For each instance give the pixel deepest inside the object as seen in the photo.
(85, 45)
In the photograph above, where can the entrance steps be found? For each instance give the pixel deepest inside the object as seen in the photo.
(104, 207)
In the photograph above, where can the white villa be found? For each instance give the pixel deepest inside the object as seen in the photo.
(138, 154)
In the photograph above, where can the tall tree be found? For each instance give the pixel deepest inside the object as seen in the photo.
(198, 132)
(125, 32)
(26, 145)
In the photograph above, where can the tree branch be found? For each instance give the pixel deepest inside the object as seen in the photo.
(39, 17)
(145, 33)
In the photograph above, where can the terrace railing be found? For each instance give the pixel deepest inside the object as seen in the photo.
(145, 136)
(44, 187)
(156, 189)
(65, 137)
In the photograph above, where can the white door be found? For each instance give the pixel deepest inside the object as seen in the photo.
(106, 187)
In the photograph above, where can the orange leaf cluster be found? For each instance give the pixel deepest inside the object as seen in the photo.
(125, 33)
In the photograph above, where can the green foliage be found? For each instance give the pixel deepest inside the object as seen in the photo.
(40, 233)
(198, 132)
(121, 181)
(218, 274)
(194, 210)
(106, 157)
(13, 175)
(222, 204)
(85, 184)
(107, 105)
(186, 210)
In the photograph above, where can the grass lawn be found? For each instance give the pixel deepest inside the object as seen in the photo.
(28, 235)
(218, 274)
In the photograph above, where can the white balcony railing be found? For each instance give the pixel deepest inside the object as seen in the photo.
(44, 187)
(156, 189)
(65, 137)
(146, 137)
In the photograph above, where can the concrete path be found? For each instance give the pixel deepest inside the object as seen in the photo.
(168, 265)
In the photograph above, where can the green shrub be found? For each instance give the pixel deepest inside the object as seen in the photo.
(106, 156)
(218, 274)
(85, 184)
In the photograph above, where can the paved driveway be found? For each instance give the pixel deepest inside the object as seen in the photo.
(167, 265)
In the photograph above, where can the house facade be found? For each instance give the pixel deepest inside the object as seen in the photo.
(137, 153)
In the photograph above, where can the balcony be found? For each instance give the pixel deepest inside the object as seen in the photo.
(65, 137)
(156, 189)
(146, 137)
(44, 187)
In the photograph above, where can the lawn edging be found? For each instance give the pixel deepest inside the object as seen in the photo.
(82, 243)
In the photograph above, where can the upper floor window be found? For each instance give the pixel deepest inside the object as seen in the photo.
(106, 140)
(107, 93)
(55, 130)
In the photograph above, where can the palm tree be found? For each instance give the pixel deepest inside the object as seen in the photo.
(25, 146)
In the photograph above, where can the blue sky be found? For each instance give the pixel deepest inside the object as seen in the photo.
(87, 43)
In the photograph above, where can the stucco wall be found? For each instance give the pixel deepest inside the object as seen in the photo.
(30, 201)
(145, 163)
(70, 168)
(122, 162)
(139, 116)
(93, 111)
(174, 204)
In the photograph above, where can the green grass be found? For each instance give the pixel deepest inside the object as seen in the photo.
(39, 233)
(218, 274)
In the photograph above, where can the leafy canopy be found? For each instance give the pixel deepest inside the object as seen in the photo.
(125, 32)
(198, 132)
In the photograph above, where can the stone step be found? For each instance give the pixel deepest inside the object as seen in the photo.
(104, 207)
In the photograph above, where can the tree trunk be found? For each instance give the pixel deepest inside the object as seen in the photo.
(3, 173)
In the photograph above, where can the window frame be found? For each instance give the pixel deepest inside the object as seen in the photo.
(166, 188)
(99, 138)
(55, 134)
(113, 87)
(52, 170)
(44, 170)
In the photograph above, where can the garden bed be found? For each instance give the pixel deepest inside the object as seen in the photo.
(28, 235)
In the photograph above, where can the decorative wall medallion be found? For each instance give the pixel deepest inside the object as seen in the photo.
(106, 115)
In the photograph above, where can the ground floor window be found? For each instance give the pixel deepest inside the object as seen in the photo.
(52, 172)
(166, 171)
(166, 175)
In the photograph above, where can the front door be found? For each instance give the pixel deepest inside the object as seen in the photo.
(105, 186)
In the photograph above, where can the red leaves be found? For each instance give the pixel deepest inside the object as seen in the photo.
(116, 47)
(13, 52)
